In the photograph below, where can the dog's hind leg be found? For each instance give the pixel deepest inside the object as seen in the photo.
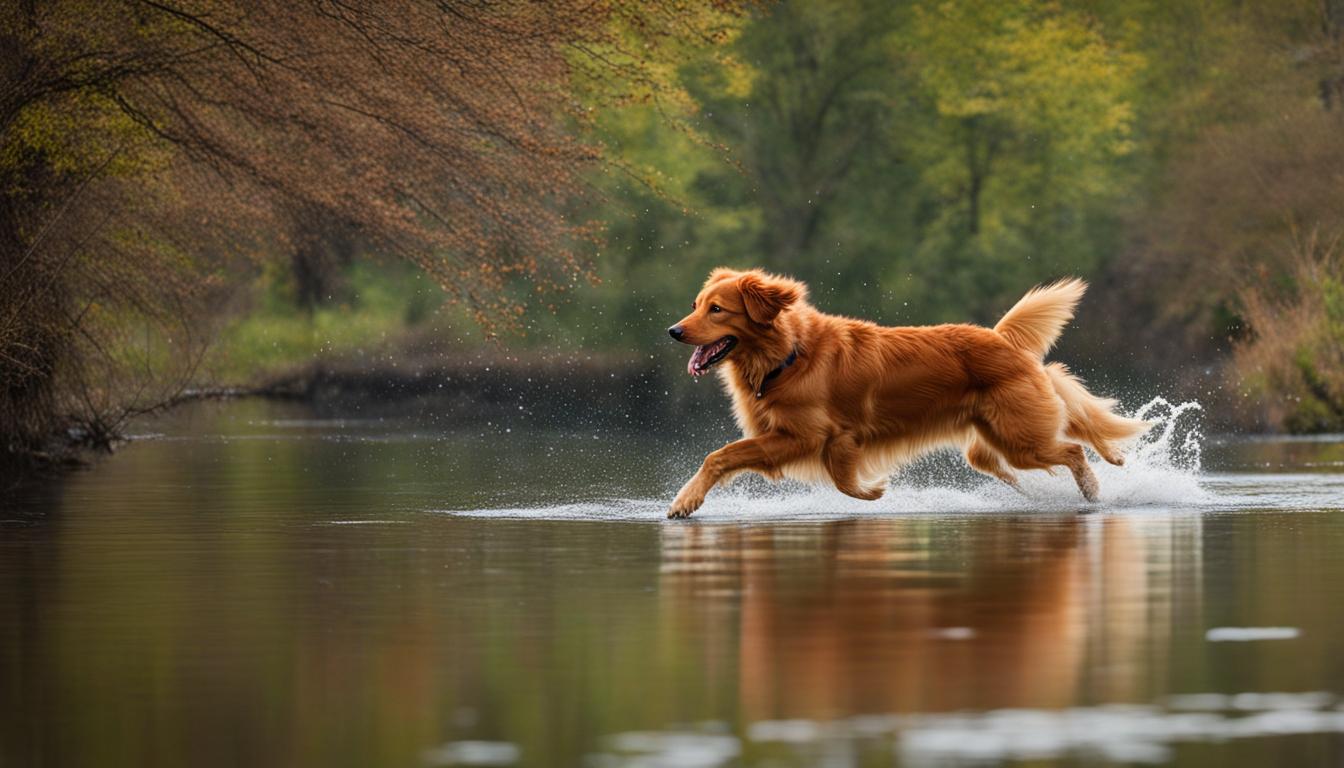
(1045, 456)
(1092, 419)
(983, 458)
(841, 458)
(1082, 472)
(1021, 422)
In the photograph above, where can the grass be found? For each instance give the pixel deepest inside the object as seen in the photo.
(381, 304)
(1293, 359)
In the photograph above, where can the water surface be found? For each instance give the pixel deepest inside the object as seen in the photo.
(256, 584)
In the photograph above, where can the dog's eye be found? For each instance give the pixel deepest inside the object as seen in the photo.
(715, 308)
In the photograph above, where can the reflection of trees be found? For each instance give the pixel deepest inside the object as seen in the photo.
(247, 632)
(870, 615)
(1146, 577)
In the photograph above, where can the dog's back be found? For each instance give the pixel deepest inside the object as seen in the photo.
(905, 390)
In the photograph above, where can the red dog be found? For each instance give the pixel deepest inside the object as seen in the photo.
(820, 397)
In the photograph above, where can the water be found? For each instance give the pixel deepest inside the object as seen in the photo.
(256, 584)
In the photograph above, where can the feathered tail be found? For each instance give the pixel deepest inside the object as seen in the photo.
(1037, 319)
(1033, 325)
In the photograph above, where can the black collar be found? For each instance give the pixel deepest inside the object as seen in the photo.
(792, 358)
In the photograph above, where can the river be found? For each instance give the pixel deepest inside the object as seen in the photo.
(259, 584)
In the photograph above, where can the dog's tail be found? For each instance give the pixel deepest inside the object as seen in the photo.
(1091, 419)
(1037, 319)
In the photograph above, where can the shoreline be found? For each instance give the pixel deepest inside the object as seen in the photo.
(535, 392)
(542, 392)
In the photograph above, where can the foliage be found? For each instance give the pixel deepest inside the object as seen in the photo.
(908, 176)
(383, 304)
(567, 172)
(150, 150)
(1241, 140)
(1293, 360)
(1029, 115)
(927, 162)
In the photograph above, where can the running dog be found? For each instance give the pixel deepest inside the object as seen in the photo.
(821, 398)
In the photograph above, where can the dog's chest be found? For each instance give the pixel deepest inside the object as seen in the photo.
(745, 416)
(754, 416)
(758, 416)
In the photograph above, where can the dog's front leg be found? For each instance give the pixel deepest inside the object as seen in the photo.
(765, 453)
(841, 458)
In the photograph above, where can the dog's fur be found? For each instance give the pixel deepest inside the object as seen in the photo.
(860, 399)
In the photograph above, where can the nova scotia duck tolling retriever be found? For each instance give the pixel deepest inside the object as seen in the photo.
(822, 398)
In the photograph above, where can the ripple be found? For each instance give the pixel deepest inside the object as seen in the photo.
(1244, 634)
(473, 753)
(1124, 733)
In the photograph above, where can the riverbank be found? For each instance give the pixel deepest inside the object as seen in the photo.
(486, 387)
(421, 378)
(539, 392)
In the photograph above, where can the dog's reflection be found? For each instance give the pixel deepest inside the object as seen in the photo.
(896, 615)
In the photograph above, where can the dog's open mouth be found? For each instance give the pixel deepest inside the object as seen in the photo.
(706, 355)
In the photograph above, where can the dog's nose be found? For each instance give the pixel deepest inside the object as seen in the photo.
(676, 332)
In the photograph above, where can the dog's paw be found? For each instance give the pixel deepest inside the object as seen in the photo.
(688, 499)
(683, 507)
(678, 512)
(872, 493)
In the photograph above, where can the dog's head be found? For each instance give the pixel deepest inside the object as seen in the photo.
(737, 312)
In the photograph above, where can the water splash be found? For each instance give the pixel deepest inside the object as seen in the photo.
(1165, 464)
(1176, 437)
(1162, 470)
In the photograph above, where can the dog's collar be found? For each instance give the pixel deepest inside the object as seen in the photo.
(790, 360)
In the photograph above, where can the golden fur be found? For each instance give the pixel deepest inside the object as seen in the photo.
(860, 399)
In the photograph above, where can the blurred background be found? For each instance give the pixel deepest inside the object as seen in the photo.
(441, 241)
(416, 199)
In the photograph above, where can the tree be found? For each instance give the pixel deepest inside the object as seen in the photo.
(1028, 118)
(806, 126)
(1242, 142)
(138, 138)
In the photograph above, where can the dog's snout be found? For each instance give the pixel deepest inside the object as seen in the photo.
(676, 332)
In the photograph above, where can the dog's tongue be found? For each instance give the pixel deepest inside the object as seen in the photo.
(698, 358)
(702, 355)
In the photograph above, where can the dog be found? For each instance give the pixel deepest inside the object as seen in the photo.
(822, 398)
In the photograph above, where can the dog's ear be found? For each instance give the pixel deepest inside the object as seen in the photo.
(765, 296)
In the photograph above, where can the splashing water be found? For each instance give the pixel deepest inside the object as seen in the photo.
(1173, 437)
(1162, 470)
(1164, 465)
